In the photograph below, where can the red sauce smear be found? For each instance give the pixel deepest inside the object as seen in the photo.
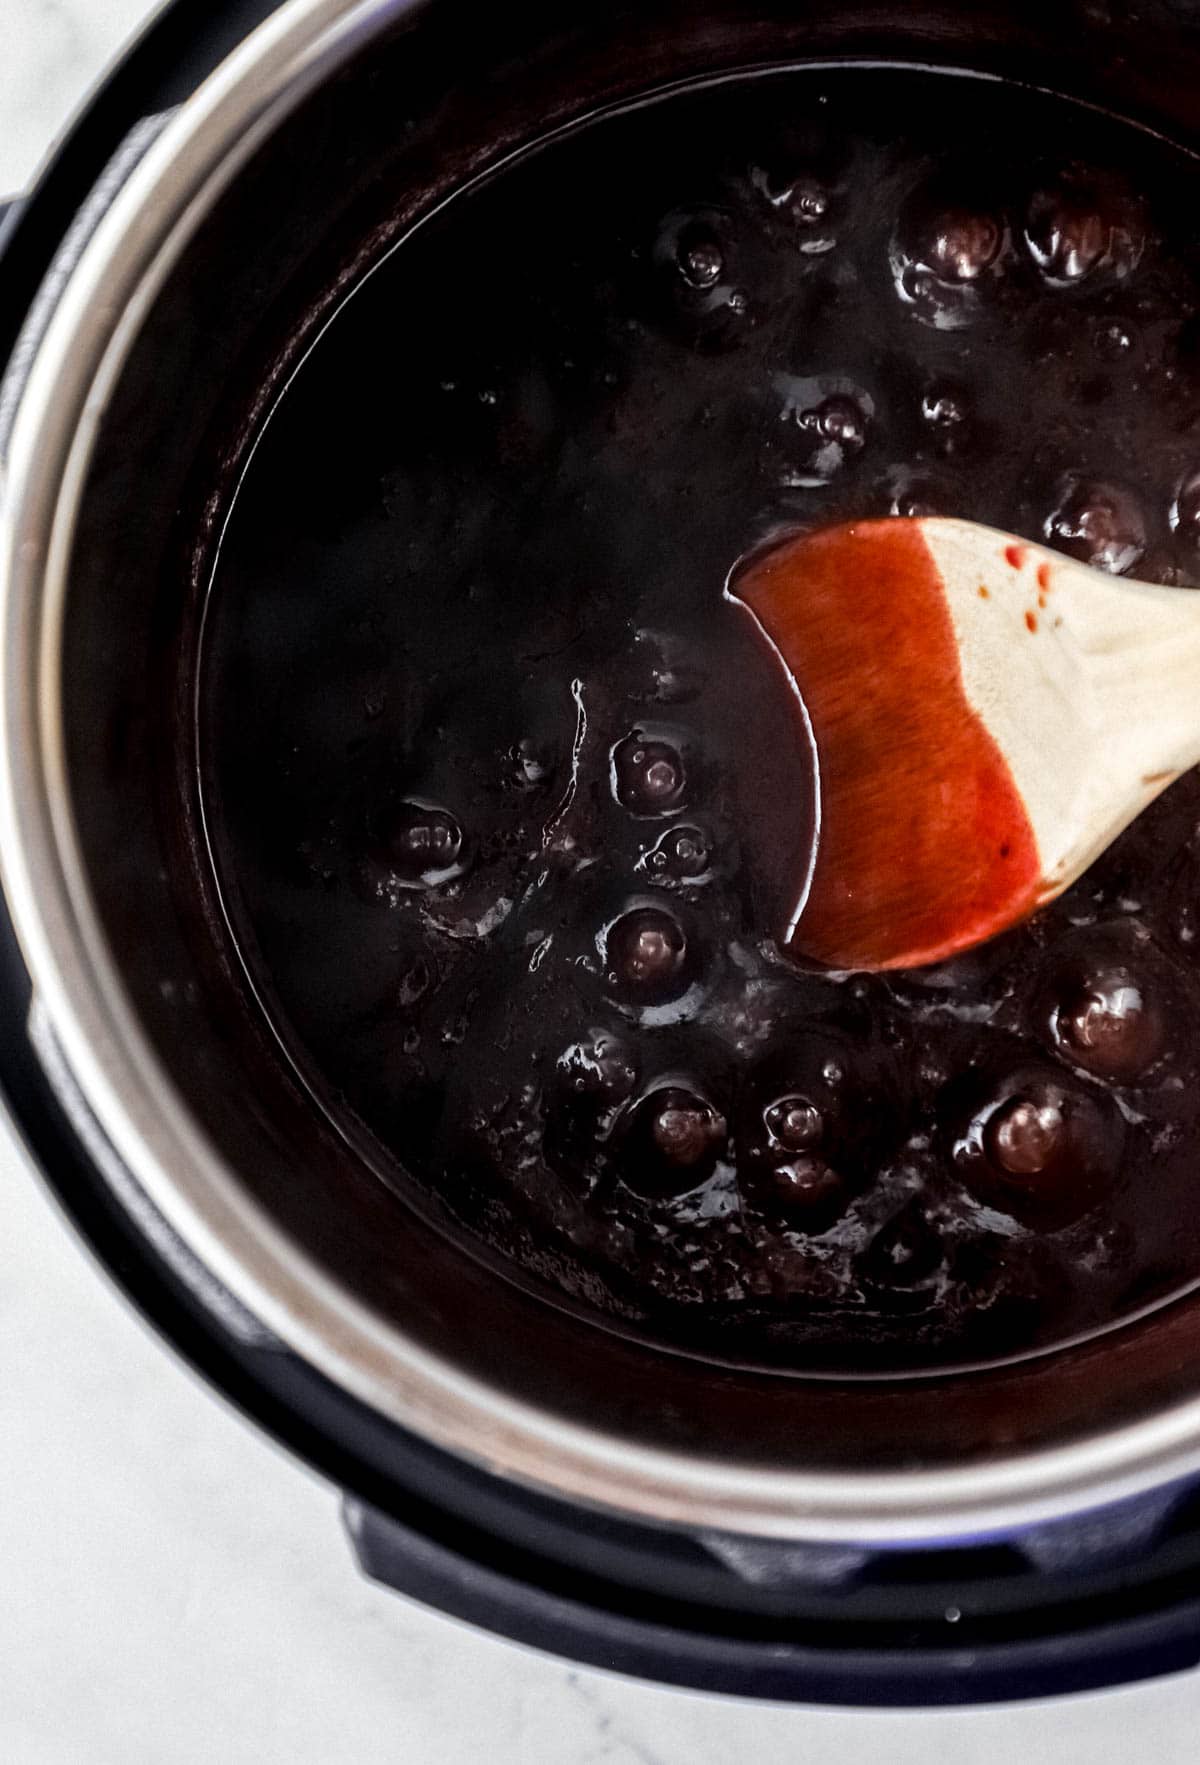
(924, 847)
(1015, 555)
(1031, 621)
(1043, 577)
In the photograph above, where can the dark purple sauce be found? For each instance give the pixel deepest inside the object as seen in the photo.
(507, 799)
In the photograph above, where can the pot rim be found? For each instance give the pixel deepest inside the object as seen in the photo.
(78, 987)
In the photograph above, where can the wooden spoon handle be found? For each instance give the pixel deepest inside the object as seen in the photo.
(1089, 683)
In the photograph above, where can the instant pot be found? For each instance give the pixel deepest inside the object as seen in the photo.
(1027, 1529)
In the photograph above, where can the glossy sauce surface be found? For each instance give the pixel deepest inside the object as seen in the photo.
(506, 796)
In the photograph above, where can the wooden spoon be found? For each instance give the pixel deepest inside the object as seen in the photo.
(985, 716)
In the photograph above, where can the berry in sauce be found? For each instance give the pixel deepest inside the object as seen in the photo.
(649, 774)
(646, 957)
(683, 854)
(1039, 1144)
(792, 1124)
(423, 843)
(672, 1142)
(824, 429)
(954, 243)
(805, 1190)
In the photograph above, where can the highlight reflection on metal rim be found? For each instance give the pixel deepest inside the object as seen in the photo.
(81, 992)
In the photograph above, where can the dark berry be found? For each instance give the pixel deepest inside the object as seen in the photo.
(672, 1143)
(954, 243)
(1038, 1143)
(423, 843)
(646, 955)
(823, 429)
(1074, 229)
(1108, 999)
(809, 202)
(1100, 524)
(946, 306)
(1111, 1027)
(1026, 1138)
(648, 774)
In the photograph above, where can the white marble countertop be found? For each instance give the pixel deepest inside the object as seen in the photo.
(175, 1591)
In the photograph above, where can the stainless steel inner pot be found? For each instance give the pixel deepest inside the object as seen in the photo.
(227, 230)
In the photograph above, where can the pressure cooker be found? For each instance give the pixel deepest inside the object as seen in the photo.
(1005, 1532)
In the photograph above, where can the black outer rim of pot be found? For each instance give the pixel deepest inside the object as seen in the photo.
(630, 1598)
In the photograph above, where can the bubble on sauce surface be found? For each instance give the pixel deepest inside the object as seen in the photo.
(810, 206)
(1112, 1002)
(787, 1156)
(694, 255)
(915, 495)
(802, 186)
(700, 258)
(942, 252)
(953, 241)
(1099, 523)
(682, 855)
(815, 1093)
(808, 1193)
(946, 415)
(824, 424)
(601, 1066)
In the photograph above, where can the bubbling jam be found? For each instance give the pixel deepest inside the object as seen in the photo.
(509, 800)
